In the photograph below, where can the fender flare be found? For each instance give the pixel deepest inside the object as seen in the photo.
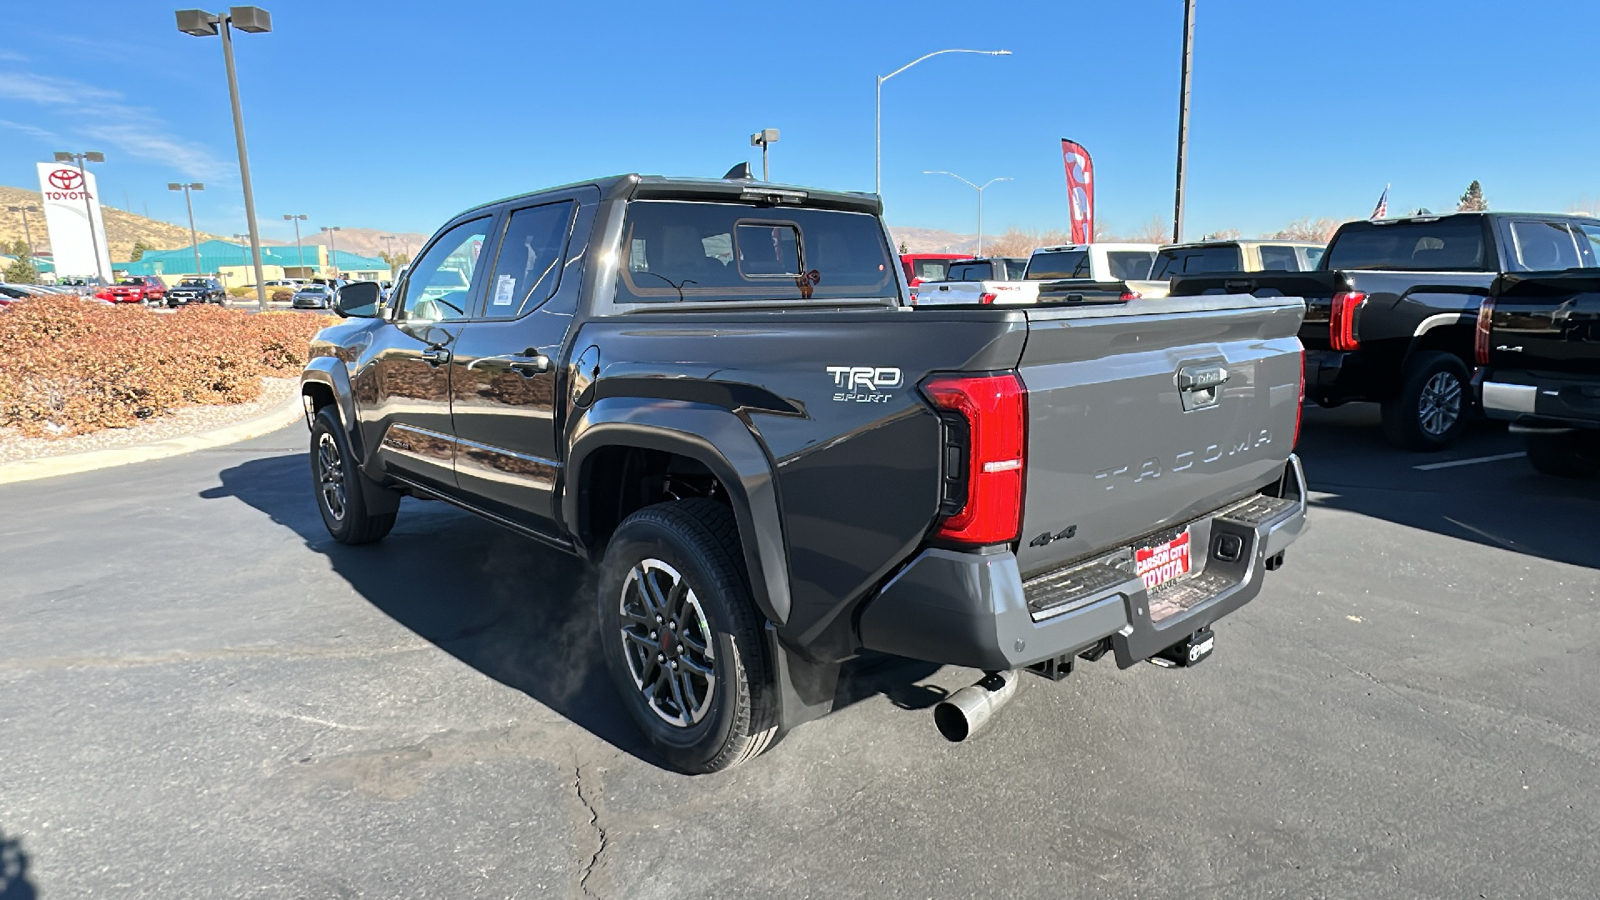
(330, 373)
(719, 440)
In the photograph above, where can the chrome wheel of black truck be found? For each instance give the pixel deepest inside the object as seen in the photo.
(1432, 407)
(355, 509)
(682, 639)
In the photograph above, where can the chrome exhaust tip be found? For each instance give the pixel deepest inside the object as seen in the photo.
(961, 715)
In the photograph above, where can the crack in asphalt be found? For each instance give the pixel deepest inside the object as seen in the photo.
(600, 838)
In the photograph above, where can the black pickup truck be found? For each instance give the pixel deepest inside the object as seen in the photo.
(718, 392)
(1390, 312)
(1538, 345)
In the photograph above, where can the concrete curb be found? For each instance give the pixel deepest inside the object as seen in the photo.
(73, 463)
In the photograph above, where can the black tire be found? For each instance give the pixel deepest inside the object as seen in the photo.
(695, 544)
(1575, 454)
(356, 509)
(1434, 403)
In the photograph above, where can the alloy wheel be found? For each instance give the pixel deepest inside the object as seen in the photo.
(1440, 404)
(668, 644)
(330, 476)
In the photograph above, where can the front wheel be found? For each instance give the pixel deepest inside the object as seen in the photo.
(1431, 409)
(356, 509)
(1575, 454)
(682, 638)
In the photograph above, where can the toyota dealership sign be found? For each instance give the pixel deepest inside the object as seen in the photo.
(70, 204)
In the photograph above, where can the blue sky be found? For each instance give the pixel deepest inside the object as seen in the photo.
(397, 115)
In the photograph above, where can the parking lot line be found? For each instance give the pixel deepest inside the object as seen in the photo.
(1468, 462)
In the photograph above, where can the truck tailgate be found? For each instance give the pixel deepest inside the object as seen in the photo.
(1131, 436)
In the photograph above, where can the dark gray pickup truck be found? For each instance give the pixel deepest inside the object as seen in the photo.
(718, 392)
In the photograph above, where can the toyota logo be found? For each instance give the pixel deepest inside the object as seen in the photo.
(66, 179)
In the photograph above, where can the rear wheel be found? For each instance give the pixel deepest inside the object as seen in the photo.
(356, 509)
(1431, 410)
(1575, 454)
(682, 638)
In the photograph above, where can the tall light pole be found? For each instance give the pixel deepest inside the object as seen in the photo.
(193, 235)
(979, 189)
(388, 243)
(761, 139)
(254, 20)
(299, 250)
(1183, 119)
(88, 210)
(333, 254)
(26, 231)
(877, 142)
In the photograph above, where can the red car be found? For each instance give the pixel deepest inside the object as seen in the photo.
(922, 267)
(137, 289)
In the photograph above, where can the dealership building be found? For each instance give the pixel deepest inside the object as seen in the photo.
(231, 262)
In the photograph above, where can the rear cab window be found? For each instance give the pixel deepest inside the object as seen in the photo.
(1195, 260)
(1130, 264)
(1053, 265)
(1277, 258)
(1410, 245)
(682, 251)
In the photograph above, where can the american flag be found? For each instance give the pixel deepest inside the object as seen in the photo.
(1382, 209)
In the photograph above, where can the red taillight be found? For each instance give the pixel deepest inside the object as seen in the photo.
(987, 298)
(1342, 320)
(1480, 338)
(993, 460)
(1300, 408)
(1129, 295)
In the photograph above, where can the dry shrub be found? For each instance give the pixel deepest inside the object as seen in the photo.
(69, 367)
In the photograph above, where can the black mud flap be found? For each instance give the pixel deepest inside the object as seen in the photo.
(1191, 651)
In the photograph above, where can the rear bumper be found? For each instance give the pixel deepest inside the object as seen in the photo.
(972, 608)
(1539, 400)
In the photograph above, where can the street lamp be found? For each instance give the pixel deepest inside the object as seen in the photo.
(254, 20)
(26, 231)
(79, 159)
(761, 139)
(388, 243)
(977, 188)
(877, 144)
(333, 254)
(299, 250)
(193, 235)
(1183, 119)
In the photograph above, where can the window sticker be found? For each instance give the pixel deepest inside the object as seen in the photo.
(504, 287)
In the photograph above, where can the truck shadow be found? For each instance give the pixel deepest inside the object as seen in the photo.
(14, 881)
(509, 607)
(1501, 503)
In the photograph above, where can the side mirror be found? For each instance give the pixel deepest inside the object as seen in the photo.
(358, 300)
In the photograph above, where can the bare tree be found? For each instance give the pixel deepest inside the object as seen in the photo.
(1152, 232)
(1306, 229)
(1226, 234)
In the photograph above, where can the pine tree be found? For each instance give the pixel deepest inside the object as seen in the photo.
(1472, 200)
(139, 248)
(21, 272)
(20, 248)
(903, 247)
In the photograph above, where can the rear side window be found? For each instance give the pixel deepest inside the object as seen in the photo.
(1451, 244)
(1543, 246)
(1279, 259)
(1134, 264)
(1589, 238)
(1194, 260)
(1313, 256)
(1016, 269)
(1054, 264)
(528, 267)
(729, 251)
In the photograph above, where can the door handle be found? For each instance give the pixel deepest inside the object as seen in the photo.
(435, 356)
(526, 366)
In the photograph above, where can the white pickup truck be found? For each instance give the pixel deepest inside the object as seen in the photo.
(1094, 262)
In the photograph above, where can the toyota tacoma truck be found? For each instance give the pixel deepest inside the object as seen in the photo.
(1538, 346)
(717, 392)
(1391, 310)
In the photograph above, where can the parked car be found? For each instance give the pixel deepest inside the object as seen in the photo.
(775, 464)
(313, 296)
(146, 289)
(87, 287)
(1391, 311)
(920, 267)
(1069, 273)
(1538, 343)
(197, 290)
(1201, 257)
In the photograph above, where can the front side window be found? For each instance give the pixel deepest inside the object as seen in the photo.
(440, 283)
(527, 269)
(701, 251)
(1589, 239)
(1544, 246)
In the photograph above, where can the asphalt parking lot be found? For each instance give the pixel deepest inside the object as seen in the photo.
(202, 695)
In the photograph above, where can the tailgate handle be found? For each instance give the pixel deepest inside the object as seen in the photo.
(1199, 386)
(1239, 286)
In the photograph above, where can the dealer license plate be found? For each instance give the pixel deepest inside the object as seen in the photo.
(1158, 564)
